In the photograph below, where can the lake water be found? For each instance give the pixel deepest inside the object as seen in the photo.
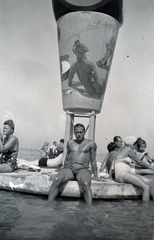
(26, 216)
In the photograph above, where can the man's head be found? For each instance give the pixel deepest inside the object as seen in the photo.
(8, 126)
(79, 131)
(62, 140)
(118, 141)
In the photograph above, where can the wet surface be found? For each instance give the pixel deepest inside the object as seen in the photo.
(25, 216)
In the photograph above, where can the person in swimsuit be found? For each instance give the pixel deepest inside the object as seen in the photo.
(80, 152)
(53, 150)
(9, 146)
(140, 149)
(124, 173)
(108, 163)
(60, 147)
(44, 150)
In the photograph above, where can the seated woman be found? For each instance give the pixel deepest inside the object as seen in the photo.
(124, 172)
(9, 146)
(140, 149)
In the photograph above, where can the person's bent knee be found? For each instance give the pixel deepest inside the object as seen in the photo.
(57, 181)
(86, 184)
(147, 187)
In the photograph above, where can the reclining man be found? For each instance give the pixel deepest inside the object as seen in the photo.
(80, 152)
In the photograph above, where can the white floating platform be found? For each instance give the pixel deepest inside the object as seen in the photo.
(40, 183)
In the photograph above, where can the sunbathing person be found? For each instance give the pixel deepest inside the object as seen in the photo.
(80, 152)
(47, 162)
(124, 173)
(9, 146)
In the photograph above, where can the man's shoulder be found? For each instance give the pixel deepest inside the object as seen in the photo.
(91, 142)
(70, 141)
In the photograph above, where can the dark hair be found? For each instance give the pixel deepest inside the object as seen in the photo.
(111, 146)
(79, 125)
(140, 142)
(62, 140)
(10, 123)
(115, 139)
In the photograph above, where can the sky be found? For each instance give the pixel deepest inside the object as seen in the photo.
(30, 88)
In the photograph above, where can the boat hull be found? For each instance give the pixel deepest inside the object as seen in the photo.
(40, 183)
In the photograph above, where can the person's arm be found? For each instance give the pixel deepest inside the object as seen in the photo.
(48, 151)
(104, 162)
(93, 160)
(134, 156)
(150, 158)
(8, 145)
(142, 155)
(71, 75)
(65, 155)
(1, 142)
(1, 136)
(111, 169)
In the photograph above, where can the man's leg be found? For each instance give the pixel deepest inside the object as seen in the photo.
(84, 179)
(62, 177)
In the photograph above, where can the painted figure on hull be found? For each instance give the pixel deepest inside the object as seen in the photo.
(103, 62)
(86, 72)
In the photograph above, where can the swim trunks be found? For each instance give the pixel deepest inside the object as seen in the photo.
(42, 162)
(76, 168)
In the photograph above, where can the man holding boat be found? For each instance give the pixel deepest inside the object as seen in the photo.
(80, 153)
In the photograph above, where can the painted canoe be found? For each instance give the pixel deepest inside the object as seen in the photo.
(39, 183)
